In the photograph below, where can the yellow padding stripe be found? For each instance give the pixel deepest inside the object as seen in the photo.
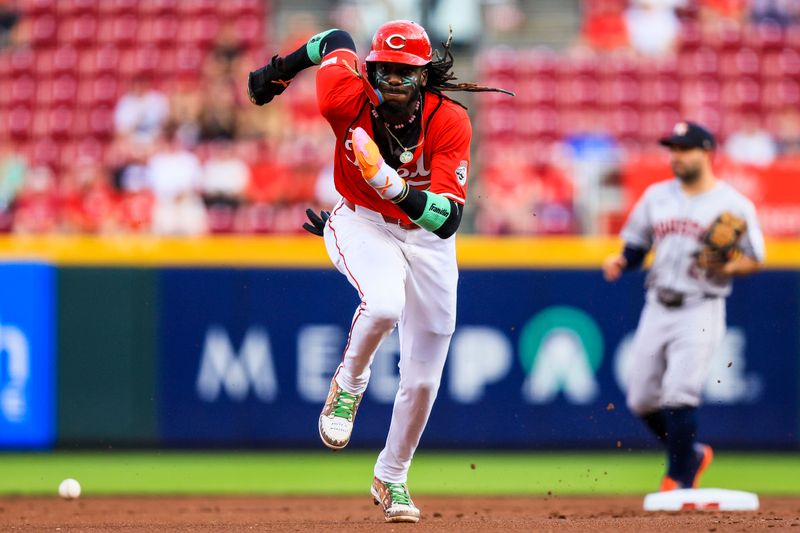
(309, 252)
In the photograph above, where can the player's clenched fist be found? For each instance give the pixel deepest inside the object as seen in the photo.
(613, 267)
(267, 82)
(379, 175)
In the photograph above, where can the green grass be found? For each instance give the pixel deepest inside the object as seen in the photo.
(350, 472)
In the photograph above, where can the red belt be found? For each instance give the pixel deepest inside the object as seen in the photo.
(387, 219)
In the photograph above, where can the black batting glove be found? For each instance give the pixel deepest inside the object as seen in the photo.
(267, 82)
(317, 226)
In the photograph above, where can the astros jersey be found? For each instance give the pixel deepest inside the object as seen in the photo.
(440, 164)
(673, 223)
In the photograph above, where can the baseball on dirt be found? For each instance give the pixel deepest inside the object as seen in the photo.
(69, 489)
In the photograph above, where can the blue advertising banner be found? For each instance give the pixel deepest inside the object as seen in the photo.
(539, 358)
(27, 373)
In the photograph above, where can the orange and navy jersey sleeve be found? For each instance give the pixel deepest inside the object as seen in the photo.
(451, 133)
(340, 92)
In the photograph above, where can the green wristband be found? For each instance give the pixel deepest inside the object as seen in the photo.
(312, 46)
(437, 211)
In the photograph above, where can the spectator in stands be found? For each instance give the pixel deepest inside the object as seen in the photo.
(132, 183)
(751, 144)
(141, 112)
(36, 208)
(8, 19)
(12, 175)
(653, 26)
(604, 25)
(87, 201)
(175, 175)
(521, 195)
(788, 132)
(224, 184)
(714, 12)
(218, 119)
(595, 156)
(782, 12)
(227, 48)
(185, 108)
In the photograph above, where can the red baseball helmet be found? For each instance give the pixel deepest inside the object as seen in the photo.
(401, 41)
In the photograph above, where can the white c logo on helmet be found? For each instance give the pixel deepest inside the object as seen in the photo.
(394, 46)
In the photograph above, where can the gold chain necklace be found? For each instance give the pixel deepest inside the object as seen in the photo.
(407, 154)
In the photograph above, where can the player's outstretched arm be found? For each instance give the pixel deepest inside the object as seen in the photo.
(272, 79)
(630, 258)
(430, 211)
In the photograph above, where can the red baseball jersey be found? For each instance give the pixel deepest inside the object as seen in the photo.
(440, 164)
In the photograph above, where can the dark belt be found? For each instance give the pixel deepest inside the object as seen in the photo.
(674, 299)
(387, 219)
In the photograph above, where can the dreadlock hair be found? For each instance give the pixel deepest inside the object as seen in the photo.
(440, 76)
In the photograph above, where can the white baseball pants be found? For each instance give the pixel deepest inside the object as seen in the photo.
(406, 278)
(672, 352)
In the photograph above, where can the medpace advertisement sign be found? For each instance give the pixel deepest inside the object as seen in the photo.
(539, 358)
(27, 362)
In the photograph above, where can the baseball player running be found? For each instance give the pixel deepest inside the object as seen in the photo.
(704, 233)
(401, 166)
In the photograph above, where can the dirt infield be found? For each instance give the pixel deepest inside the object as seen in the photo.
(325, 514)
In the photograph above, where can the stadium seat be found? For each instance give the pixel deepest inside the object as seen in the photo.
(5, 93)
(151, 8)
(234, 8)
(21, 61)
(249, 30)
(778, 94)
(499, 61)
(35, 7)
(782, 64)
(44, 151)
(103, 60)
(77, 7)
(742, 62)
(729, 37)
(119, 30)
(19, 122)
(198, 31)
(116, 8)
(101, 122)
(700, 62)
(189, 60)
(104, 90)
(624, 122)
(60, 123)
(43, 30)
(764, 37)
(620, 90)
(65, 60)
(79, 31)
(742, 93)
(690, 36)
(197, 7)
(537, 63)
(23, 90)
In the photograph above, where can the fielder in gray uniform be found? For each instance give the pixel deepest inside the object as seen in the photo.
(683, 320)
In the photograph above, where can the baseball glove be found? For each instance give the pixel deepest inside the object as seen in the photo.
(721, 240)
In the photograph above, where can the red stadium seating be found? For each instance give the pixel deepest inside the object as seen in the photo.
(43, 30)
(119, 30)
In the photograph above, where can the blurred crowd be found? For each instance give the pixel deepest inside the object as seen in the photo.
(180, 151)
(125, 116)
(586, 115)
